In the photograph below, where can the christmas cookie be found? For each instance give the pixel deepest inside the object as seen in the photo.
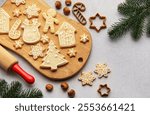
(14, 33)
(102, 70)
(66, 35)
(87, 78)
(32, 11)
(44, 39)
(18, 44)
(17, 13)
(36, 51)
(4, 21)
(53, 58)
(49, 16)
(18, 2)
(84, 38)
(31, 34)
(103, 26)
(104, 90)
(72, 52)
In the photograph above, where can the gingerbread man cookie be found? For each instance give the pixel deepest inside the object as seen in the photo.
(49, 16)
(31, 33)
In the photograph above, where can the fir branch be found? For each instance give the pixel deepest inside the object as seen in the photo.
(34, 93)
(148, 27)
(14, 90)
(135, 12)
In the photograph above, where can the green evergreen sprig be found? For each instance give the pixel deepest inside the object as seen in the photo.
(136, 19)
(14, 90)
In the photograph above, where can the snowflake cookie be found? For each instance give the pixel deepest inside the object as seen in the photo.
(17, 13)
(84, 38)
(18, 44)
(72, 52)
(18, 2)
(32, 11)
(44, 39)
(36, 51)
(87, 78)
(102, 70)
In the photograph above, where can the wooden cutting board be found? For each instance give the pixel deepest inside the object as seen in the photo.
(75, 63)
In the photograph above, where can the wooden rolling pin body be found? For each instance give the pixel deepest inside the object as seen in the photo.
(6, 59)
(9, 62)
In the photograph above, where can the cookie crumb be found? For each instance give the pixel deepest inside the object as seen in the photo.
(71, 93)
(49, 87)
(64, 86)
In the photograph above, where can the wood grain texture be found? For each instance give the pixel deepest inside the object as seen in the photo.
(64, 72)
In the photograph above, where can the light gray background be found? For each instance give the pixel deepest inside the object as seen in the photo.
(129, 60)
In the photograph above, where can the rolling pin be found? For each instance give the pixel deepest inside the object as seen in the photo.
(9, 62)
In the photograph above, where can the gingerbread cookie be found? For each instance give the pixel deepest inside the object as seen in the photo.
(72, 52)
(31, 32)
(14, 33)
(53, 59)
(18, 2)
(103, 26)
(76, 10)
(87, 78)
(102, 70)
(4, 21)
(66, 34)
(84, 38)
(32, 11)
(17, 13)
(36, 51)
(18, 44)
(104, 90)
(49, 16)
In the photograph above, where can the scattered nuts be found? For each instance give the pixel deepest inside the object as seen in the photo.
(58, 5)
(49, 87)
(64, 86)
(71, 93)
(68, 2)
(66, 11)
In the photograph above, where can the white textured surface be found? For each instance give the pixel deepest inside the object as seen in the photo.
(128, 60)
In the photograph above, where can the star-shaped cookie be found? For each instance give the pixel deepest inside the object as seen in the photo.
(72, 52)
(32, 11)
(103, 26)
(102, 70)
(18, 44)
(87, 78)
(44, 39)
(18, 2)
(84, 38)
(36, 51)
(104, 90)
(17, 13)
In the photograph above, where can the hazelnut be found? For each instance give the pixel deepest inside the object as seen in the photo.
(68, 2)
(66, 11)
(58, 5)
(71, 93)
(64, 86)
(49, 87)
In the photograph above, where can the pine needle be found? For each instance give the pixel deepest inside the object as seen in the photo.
(135, 12)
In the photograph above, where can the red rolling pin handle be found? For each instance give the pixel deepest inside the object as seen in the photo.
(28, 78)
